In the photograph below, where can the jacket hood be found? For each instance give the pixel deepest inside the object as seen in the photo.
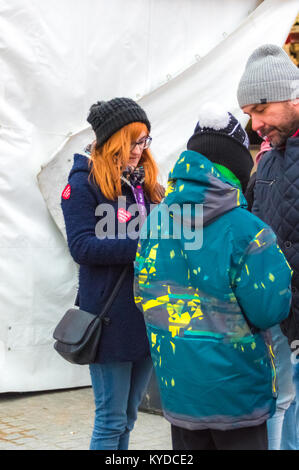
(81, 163)
(195, 180)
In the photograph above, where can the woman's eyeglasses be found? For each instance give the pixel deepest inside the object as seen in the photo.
(143, 143)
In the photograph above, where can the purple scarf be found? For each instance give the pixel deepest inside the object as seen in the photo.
(134, 177)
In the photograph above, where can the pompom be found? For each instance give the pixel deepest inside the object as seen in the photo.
(213, 117)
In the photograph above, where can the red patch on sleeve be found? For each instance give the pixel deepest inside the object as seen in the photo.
(66, 192)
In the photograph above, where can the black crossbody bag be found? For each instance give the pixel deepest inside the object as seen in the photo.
(78, 333)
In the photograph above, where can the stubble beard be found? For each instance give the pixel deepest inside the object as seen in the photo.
(285, 130)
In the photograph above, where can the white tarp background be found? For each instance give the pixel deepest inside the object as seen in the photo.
(56, 59)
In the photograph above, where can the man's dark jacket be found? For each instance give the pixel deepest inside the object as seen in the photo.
(276, 202)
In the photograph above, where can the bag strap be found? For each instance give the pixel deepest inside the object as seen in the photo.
(114, 293)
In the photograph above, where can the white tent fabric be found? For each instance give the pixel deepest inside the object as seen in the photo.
(59, 57)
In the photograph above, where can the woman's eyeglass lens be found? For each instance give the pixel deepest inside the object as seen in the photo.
(143, 143)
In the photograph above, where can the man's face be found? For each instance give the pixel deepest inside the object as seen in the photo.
(277, 120)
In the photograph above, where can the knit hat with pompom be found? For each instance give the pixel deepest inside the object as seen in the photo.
(219, 136)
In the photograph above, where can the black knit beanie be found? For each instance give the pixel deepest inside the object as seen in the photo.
(108, 117)
(220, 137)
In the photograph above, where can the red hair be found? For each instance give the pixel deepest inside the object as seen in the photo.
(109, 161)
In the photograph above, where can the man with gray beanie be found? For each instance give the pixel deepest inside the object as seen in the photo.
(269, 93)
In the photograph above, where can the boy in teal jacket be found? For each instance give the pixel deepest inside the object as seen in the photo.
(208, 301)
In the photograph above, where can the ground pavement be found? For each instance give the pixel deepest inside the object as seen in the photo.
(63, 420)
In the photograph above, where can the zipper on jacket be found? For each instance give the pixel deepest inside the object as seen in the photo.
(271, 356)
(266, 182)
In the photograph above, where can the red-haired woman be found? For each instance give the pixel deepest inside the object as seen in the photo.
(97, 205)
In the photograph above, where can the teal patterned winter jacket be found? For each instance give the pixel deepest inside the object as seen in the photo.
(208, 303)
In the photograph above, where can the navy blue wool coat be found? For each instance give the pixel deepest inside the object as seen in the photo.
(102, 261)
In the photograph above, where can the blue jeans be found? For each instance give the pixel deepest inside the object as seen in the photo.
(281, 431)
(296, 412)
(118, 390)
(291, 419)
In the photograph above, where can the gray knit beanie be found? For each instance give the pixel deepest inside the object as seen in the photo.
(269, 76)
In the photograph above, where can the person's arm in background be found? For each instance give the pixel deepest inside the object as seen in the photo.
(249, 193)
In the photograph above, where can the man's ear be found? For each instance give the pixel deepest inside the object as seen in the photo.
(295, 104)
